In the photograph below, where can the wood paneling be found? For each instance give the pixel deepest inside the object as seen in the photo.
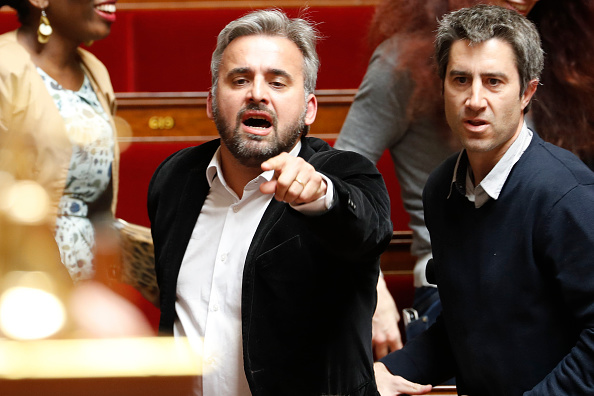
(446, 390)
(396, 259)
(184, 114)
(247, 4)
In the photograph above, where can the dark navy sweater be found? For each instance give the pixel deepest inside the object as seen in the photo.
(516, 280)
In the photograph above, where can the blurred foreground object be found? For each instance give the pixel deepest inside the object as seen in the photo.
(125, 366)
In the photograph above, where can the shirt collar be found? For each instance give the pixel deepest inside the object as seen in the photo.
(214, 167)
(490, 187)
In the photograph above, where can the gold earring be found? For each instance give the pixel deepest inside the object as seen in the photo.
(45, 30)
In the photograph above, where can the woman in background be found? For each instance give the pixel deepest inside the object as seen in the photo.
(57, 101)
(61, 96)
(399, 107)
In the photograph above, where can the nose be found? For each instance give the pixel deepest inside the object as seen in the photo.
(476, 98)
(258, 92)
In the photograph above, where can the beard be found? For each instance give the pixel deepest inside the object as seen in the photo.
(251, 150)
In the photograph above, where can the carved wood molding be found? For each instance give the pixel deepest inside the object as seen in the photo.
(176, 114)
(247, 4)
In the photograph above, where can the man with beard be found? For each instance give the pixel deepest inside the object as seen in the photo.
(267, 241)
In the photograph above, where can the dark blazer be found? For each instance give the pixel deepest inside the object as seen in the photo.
(308, 282)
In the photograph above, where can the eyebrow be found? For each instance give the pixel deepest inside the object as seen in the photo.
(281, 73)
(246, 70)
(489, 74)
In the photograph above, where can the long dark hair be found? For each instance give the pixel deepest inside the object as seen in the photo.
(563, 107)
(564, 104)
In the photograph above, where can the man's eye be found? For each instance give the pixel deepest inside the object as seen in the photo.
(277, 84)
(493, 82)
(240, 81)
(461, 80)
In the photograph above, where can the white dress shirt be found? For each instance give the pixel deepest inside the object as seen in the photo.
(209, 285)
(491, 185)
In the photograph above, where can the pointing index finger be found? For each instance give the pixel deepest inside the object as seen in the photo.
(274, 163)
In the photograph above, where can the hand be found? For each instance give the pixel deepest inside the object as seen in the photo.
(295, 181)
(99, 312)
(385, 332)
(391, 385)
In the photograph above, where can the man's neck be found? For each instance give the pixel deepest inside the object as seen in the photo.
(480, 166)
(236, 174)
(481, 163)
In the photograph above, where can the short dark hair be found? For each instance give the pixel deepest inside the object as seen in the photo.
(483, 22)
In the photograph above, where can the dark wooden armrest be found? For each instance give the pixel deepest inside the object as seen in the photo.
(449, 390)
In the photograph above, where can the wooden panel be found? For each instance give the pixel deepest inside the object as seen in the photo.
(184, 114)
(247, 4)
(448, 390)
(397, 260)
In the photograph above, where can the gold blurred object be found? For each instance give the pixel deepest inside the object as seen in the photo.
(24, 201)
(157, 122)
(30, 306)
(44, 31)
(112, 357)
(34, 284)
(123, 366)
(124, 131)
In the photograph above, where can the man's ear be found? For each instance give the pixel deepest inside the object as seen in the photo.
(209, 105)
(529, 92)
(312, 109)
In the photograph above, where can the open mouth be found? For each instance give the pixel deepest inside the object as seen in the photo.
(257, 122)
(476, 122)
(107, 10)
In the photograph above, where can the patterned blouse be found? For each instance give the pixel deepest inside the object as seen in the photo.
(90, 132)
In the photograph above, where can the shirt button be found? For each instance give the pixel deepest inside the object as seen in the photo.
(223, 256)
(236, 209)
(215, 307)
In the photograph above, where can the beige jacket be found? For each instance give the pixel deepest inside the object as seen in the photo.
(29, 120)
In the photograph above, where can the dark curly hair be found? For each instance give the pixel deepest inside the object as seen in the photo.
(563, 107)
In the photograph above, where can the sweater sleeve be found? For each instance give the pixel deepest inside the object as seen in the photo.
(426, 358)
(377, 118)
(568, 241)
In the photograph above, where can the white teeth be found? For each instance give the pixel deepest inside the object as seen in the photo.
(109, 8)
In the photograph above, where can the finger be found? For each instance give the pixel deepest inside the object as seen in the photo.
(380, 350)
(293, 180)
(395, 340)
(314, 189)
(287, 190)
(268, 187)
(275, 163)
(410, 388)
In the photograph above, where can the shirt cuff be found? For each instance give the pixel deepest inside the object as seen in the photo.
(320, 205)
(419, 271)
